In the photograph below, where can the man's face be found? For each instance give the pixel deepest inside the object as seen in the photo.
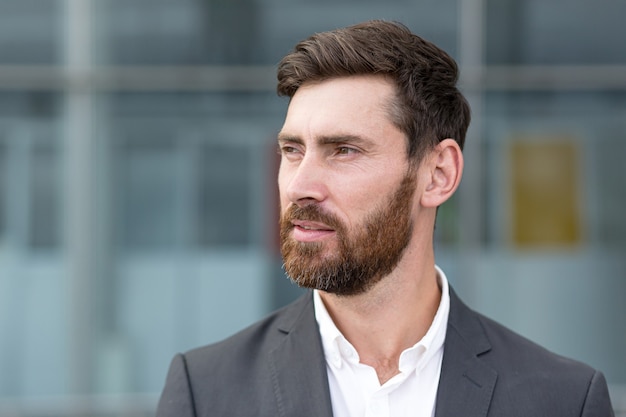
(346, 189)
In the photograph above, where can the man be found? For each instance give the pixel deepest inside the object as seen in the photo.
(370, 147)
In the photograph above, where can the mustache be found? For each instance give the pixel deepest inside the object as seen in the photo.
(311, 212)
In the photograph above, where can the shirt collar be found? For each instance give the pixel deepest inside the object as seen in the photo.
(330, 334)
(338, 349)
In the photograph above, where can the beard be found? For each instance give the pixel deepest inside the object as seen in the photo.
(362, 257)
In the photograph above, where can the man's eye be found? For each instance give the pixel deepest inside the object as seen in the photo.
(288, 149)
(345, 150)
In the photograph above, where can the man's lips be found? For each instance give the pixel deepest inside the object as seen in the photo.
(310, 231)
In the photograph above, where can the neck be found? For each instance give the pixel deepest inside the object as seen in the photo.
(390, 317)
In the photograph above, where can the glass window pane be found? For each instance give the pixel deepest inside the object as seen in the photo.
(29, 32)
(610, 184)
(21, 106)
(537, 32)
(224, 196)
(44, 231)
(3, 191)
(146, 185)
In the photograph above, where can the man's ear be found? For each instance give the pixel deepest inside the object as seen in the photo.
(445, 169)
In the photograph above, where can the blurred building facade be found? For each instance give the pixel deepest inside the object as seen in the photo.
(137, 181)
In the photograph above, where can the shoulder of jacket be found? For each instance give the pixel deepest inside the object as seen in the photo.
(527, 355)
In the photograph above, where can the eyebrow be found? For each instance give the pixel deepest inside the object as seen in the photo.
(326, 140)
(282, 138)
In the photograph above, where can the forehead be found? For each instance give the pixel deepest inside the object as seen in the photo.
(356, 105)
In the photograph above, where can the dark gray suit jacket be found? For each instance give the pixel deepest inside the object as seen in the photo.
(276, 368)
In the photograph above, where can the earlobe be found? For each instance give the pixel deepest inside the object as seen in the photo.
(445, 169)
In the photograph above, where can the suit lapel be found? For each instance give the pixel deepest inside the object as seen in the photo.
(466, 385)
(298, 366)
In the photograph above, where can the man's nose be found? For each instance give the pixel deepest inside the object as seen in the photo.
(306, 181)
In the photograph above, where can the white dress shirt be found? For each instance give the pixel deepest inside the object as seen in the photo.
(354, 387)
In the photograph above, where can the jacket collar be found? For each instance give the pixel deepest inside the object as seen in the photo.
(466, 384)
(297, 363)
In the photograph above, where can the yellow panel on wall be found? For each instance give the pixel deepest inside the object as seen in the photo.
(545, 191)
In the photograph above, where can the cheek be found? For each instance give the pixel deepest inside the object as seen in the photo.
(357, 205)
(365, 199)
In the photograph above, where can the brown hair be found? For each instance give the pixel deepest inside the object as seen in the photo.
(428, 107)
